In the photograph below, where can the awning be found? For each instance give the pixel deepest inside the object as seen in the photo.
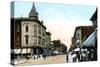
(25, 51)
(77, 49)
(90, 41)
(21, 51)
(17, 51)
(29, 50)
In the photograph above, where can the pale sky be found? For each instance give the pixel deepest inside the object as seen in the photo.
(60, 19)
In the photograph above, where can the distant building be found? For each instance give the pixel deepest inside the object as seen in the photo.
(73, 45)
(29, 35)
(48, 39)
(93, 36)
(81, 33)
(85, 38)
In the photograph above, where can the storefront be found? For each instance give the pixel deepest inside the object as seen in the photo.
(91, 45)
(20, 53)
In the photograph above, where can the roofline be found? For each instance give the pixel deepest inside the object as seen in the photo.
(94, 14)
(80, 27)
(29, 19)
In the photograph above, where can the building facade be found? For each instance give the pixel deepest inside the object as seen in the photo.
(81, 34)
(29, 35)
(91, 42)
(84, 41)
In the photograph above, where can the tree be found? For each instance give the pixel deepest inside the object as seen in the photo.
(60, 47)
(56, 43)
(64, 48)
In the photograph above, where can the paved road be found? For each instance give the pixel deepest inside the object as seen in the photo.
(48, 60)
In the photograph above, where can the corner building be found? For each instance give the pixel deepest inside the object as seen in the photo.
(28, 36)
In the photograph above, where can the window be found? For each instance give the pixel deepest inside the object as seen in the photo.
(35, 40)
(26, 39)
(18, 39)
(26, 28)
(43, 33)
(43, 42)
(35, 30)
(39, 30)
(18, 43)
(18, 28)
(39, 40)
(78, 34)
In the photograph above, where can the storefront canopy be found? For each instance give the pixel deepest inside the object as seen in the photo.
(25, 51)
(17, 51)
(77, 49)
(22, 51)
(91, 40)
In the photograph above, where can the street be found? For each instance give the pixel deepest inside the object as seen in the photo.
(48, 60)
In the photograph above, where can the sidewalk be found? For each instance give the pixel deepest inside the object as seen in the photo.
(48, 60)
(18, 61)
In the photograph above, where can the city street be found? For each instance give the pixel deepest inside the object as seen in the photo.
(35, 41)
(48, 60)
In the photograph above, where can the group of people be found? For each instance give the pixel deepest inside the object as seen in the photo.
(77, 56)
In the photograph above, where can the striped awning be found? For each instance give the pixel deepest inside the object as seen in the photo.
(91, 40)
(17, 51)
(21, 51)
(25, 50)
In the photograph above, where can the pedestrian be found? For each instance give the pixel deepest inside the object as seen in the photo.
(74, 57)
(84, 56)
(70, 57)
(27, 58)
(67, 57)
(44, 56)
(78, 56)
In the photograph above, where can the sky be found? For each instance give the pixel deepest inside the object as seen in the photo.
(60, 19)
